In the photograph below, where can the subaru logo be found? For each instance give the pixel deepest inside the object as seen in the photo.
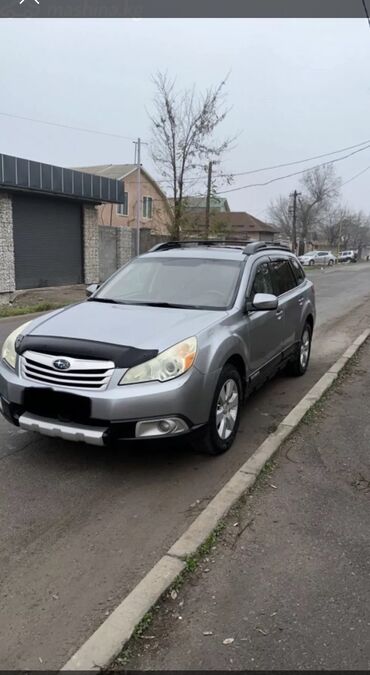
(61, 364)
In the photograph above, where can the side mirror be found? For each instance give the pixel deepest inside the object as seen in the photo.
(91, 289)
(265, 301)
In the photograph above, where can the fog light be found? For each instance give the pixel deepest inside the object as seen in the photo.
(160, 427)
(166, 426)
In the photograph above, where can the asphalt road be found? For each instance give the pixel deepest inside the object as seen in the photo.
(80, 526)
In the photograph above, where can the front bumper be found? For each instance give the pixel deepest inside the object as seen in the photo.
(114, 414)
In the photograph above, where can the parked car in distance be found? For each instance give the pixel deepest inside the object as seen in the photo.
(169, 345)
(318, 258)
(348, 256)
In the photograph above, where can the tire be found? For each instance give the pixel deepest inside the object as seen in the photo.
(298, 366)
(330, 263)
(211, 437)
(311, 263)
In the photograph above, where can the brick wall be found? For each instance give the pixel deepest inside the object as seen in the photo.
(7, 273)
(91, 244)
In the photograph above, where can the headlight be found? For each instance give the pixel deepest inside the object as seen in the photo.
(166, 366)
(8, 352)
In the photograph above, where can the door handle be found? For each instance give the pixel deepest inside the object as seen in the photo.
(279, 314)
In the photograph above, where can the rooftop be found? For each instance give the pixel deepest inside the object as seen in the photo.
(235, 222)
(219, 204)
(116, 171)
(17, 173)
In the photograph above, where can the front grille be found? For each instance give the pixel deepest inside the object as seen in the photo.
(82, 373)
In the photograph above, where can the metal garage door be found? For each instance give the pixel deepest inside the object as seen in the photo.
(47, 241)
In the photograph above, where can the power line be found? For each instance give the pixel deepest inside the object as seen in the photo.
(66, 126)
(275, 166)
(296, 173)
(197, 178)
(366, 11)
(299, 161)
(356, 176)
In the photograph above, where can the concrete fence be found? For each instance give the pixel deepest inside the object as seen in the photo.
(117, 245)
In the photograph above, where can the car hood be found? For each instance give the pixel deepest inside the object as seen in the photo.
(130, 325)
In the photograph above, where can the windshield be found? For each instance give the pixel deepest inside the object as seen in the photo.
(188, 282)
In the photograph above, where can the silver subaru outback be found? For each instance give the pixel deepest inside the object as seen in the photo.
(169, 345)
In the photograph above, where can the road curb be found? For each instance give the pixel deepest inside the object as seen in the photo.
(108, 640)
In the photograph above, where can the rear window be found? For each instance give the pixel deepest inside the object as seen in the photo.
(297, 271)
(283, 277)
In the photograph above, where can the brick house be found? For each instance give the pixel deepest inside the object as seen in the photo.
(242, 225)
(155, 208)
(230, 224)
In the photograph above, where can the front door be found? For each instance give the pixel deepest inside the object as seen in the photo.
(262, 328)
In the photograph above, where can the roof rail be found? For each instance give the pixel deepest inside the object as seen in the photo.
(248, 247)
(165, 246)
(256, 246)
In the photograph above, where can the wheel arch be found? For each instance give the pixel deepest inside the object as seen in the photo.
(238, 362)
(310, 321)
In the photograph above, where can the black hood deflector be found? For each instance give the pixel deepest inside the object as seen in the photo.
(122, 356)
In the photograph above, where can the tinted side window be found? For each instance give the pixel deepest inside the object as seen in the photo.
(283, 276)
(262, 281)
(298, 271)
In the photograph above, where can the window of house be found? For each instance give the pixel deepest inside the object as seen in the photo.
(262, 281)
(147, 207)
(283, 277)
(122, 209)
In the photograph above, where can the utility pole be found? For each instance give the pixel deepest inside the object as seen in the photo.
(295, 196)
(138, 192)
(339, 238)
(208, 202)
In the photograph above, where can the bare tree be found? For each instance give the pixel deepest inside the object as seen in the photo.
(319, 192)
(183, 126)
(280, 215)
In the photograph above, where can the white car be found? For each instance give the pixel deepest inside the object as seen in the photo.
(317, 258)
(348, 256)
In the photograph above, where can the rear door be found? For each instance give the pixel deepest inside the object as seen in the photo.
(322, 257)
(290, 300)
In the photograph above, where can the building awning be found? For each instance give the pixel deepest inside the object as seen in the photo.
(30, 176)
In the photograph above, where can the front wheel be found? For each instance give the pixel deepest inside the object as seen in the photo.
(331, 262)
(311, 263)
(298, 366)
(219, 434)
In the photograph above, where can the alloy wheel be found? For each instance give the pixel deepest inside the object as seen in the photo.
(227, 409)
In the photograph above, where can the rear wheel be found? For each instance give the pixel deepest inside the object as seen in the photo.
(331, 262)
(298, 366)
(219, 434)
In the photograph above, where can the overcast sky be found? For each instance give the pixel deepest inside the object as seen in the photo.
(297, 88)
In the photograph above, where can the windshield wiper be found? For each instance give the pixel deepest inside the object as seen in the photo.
(142, 304)
(108, 300)
(163, 304)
